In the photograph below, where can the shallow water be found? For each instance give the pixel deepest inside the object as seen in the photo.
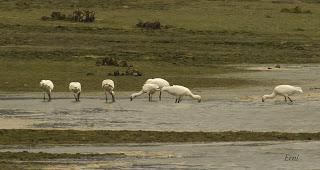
(222, 109)
(212, 115)
(224, 155)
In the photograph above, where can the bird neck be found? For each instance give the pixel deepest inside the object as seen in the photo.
(270, 96)
(137, 94)
(194, 96)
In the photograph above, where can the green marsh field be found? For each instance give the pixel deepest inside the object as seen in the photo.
(203, 38)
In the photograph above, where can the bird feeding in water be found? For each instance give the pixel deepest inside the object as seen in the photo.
(179, 92)
(146, 88)
(283, 90)
(108, 86)
(47, 87)
(75, 87)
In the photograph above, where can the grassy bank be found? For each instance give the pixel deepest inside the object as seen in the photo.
(203, 37)
(35, 137)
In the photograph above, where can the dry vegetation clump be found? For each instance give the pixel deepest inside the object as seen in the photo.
(110, 61)
(77, 16)
(83, 15)
(129, 72)
(296, 10)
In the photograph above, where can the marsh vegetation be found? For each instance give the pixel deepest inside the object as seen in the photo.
(205, 38)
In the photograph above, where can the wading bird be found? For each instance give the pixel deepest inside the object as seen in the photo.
(75, 87)
(108, 86)
(47, 87)
(283, 90)
(146, 88)
(158, 81)
(179, 92)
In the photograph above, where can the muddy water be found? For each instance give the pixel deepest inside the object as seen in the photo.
(222, 109)
(224, 155)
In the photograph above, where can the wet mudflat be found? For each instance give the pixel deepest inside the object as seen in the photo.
(224, 155)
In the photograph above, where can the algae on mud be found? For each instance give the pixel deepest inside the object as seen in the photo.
(36, 137)
(30, 156)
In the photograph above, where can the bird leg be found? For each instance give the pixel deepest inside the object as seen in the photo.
(179, 99)
(74, 95)
(49, 96)
(78, 96)
(149, 97)
(176, 100)
(44, 96)
(285, 99)
(160, 96)
(112, 95)
(106, 96)
(290, 99)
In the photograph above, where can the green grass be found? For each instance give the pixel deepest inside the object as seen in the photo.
(204, 38)
(63, 72)
(36, 137)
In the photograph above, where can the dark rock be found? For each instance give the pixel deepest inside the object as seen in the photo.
(45, 18)
(149, 25)
(116, 73)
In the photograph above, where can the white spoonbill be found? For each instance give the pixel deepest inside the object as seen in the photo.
(75, 87)
(158, 81)
(146, 88)
(108, 86)
(283, 90)
(179, 92)
(47, 87)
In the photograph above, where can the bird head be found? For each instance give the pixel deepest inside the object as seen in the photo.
(198, 98)
(263, 98)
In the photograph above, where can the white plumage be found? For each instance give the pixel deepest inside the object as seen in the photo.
(179, 92)
(283, 90)
(75, 87)
(160, 82)
(146, 88)
(108, 86)
(47, 87)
